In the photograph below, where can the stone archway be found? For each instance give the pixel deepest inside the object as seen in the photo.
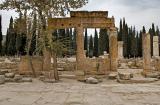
(84, 19)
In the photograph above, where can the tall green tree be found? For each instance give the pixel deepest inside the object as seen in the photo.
(34, 36)
(125, 39)
(120, 31)
(91, 46)
(103, 41)
(85, 40)
(140, 44)
(133, 43)
(95, 50)
(1, 36)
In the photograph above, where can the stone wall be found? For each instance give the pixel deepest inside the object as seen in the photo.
(97, 66)
(23, 66)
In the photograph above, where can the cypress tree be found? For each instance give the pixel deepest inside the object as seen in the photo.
(91, 47)
(125, 39)
(137, 44)
(103, 41)
(140, 44)
(7, 42)
(11, 48)
(71, 41)
(67, 38)
(85, 40)
(144, 30)
(133, 43)
(33, 41)
(120, 31)
(151, 39)
(95, 50)
(153, 30)
(1, 36)
(74, 41)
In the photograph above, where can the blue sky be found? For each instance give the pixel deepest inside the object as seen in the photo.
(136, 12)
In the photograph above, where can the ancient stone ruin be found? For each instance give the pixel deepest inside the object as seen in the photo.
(112, 64)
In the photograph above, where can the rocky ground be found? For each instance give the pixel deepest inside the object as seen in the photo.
(72, 92)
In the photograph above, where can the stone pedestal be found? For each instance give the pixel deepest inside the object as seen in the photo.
(120, 49)
(155, 46)
(113, 49)
(146, 53)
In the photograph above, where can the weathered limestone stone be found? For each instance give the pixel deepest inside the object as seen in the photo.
(9, 80)
(120, 49)
(2, 79)
(7, 60)
(26, 79)
(9, 75)
(80, 49)
(155, 46)
(3, 72)
(81, 20)
(92, 80)
(113, 49)
(153, 75)
(146, 53)
(125, 76)
(113, 75)
(18, 78)
(42, 78)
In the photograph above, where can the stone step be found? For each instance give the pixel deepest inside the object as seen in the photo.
(137, 80)
(68, 76)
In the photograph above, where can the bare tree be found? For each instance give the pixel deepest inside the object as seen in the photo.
(44, 9)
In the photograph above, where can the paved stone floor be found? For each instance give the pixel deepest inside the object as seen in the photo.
(71, 92)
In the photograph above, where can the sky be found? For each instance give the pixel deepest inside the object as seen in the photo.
(137, 13)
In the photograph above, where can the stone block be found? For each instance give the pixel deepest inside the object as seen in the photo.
(92, 80)
(26, 79)
(113, 75)
(125, 76)
(2, 79)
(18, 78)
(9, 75)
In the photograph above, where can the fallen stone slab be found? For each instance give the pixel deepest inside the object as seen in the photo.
(92, 80)
(113, 75)
(26, 79)
(9, 80)
(125, 76)
(42, 78)
(2, 79)
(152, 75)
(18, 78)
(137, 80)
(68, 76)
(50, 81)
(9, 75)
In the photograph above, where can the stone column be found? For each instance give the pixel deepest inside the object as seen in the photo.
(146, 52)
(155, 46)
(120, 49)
(113, 49)
(80, 54)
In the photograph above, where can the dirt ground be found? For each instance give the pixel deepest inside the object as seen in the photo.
(72, 92)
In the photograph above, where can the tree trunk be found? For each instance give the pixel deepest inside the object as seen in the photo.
(29, 36)
(54, 56)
